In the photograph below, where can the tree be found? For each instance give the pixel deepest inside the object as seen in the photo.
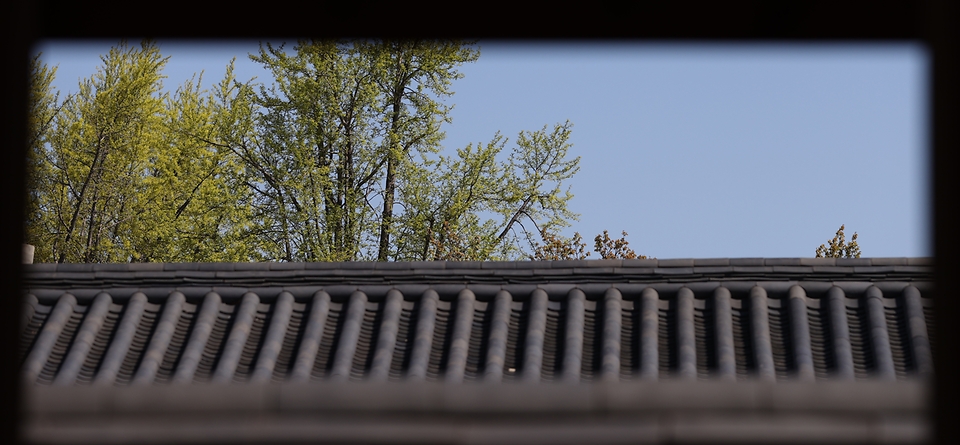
(556, 247)
(610, 248)
(839, 248)
(87, 206)
(311, 157)
(346, 157)
(44, 106)
(337, 159)
(194, 194)
(412, 77)
(486, 202)
(442, 202)
(336, 133)
(123, 172)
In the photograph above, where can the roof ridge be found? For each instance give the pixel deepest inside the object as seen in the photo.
(467, 265)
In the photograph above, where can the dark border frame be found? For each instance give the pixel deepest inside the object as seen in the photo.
(932, 22)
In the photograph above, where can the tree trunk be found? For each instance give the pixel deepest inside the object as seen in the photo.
(83, 190)
(390, 188)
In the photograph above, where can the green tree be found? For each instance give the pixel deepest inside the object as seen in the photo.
(44, 106)
(338, 158)
(123, 172)
(480, 207)
(839, 248)
(314, 158)
(196, 206)
(534, 182)
(96, 150)
(412, 78)
(442, 202)
(346, 158)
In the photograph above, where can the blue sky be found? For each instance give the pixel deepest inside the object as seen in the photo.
(696, 150)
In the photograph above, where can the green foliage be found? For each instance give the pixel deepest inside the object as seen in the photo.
(88, 205)
(839, 248)
(123, 172)
(194, 192)
(313, 162)
(338, 159)
(44, 106)
(336, 135)
(487, 202)
(442, 202)
(412, 78)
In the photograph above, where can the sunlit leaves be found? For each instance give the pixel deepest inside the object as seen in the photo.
(94, 154)
(615, 248)
(839, 248)
(125, 172)
(555, 247)
(338, 157)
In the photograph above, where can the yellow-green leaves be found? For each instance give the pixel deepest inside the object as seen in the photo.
(126, 172)
(479, 206)
(338, 157)
(314, 161)
(94, 157)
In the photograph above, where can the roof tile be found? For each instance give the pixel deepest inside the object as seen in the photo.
(793, 269)
(216, 266)
(464, 264)
(746, 261)
(754, 269)
(711, 262)
(782, 262)
(251, 266)
(818, 261)
(607, 263)
(69, 267)
(568, 264)
(287, 266)
(181, 266)
(920, 261)
(680, 262)
(888, 261)
(594, 270)
(853, 262)
(518, 279)
(496, 265)
(649, 262)
(674, 270)
(635, 270)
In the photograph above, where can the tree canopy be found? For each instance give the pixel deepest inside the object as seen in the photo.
(339, 157)
(838, 247)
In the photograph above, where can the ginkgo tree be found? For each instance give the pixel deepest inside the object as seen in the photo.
(88, 196)
(338, 157)
(120, 170)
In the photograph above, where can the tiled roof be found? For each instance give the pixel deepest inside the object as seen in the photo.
(560, 321)
(638, 412)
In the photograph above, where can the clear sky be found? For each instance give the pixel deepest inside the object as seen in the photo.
(696, 150)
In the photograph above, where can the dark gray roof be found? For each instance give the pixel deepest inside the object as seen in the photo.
(572, 321)
(672, 412)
